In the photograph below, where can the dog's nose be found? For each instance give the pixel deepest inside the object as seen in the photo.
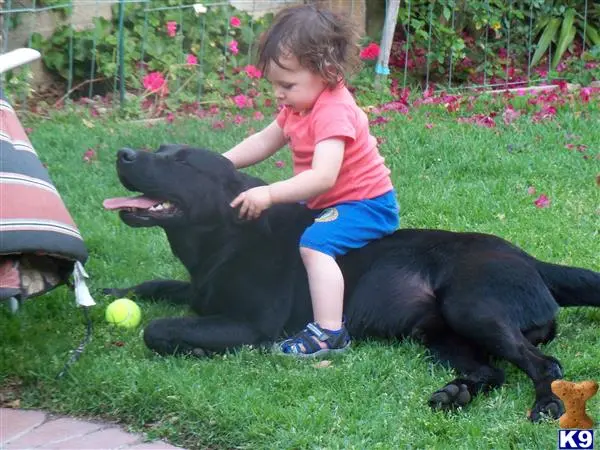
(126, 155)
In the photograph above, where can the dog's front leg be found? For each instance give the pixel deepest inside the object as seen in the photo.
(171, 291)
(200, 336)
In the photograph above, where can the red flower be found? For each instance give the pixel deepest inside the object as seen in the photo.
(370, 52)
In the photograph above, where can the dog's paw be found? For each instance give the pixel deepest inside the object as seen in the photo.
(114, 292)
(451, 396)
(548, 408)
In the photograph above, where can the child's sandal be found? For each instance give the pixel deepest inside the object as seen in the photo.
(305, 344)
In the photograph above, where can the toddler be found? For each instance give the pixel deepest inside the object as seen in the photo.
(338, 171)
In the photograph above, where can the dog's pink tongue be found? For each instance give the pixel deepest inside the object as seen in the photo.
(129, 202)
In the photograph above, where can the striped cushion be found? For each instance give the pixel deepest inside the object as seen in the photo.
(40, 241)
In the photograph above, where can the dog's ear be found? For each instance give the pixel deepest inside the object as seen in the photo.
(233, 189)
(206, 161)
(170, 148)
(230, 184)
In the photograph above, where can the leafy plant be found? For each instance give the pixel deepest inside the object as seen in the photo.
(559, 23)
(199, 54)
(465, 35)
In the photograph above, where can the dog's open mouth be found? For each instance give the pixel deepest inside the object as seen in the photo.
(142, 206)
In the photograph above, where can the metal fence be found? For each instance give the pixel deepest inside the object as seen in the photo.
(444, 44)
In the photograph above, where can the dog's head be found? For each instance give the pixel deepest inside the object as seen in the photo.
(179, 186)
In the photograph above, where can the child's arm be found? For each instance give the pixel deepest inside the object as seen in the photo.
(257, 147)
(327, 161)
(326, 164)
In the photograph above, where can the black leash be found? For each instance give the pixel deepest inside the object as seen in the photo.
(75, 354)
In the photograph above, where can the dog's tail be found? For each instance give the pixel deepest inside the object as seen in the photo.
(571, 286)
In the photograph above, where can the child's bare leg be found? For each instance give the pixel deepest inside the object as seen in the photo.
(326, 284)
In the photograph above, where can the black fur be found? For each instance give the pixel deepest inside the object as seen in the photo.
(468, 297)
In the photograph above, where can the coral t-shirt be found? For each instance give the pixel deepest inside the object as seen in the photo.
(335, 114)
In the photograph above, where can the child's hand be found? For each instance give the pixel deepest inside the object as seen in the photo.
(254, 201)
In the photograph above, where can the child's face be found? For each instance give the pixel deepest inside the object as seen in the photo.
(294, 85)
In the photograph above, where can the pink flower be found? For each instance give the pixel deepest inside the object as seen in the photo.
(235, 22)
(379, 120)
(547, 112)
(172, 28)
(542, 201)
(218, 125)
(479, 119)
(585, 94)
(154, 81)
(241, 101)
(258, 115)
(370, 52)
(191, 59)
(252, 71)
(509, 115)
(429, 126)
(89, 155)
(530, 190)
(238, 119)
(170, 117)
(279, 164)
(233, 47)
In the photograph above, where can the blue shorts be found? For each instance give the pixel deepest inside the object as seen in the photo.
(346, 226)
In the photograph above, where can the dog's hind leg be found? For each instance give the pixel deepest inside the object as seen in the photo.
(496, 334)
(501, 304)
(170, 291)
(475, 373)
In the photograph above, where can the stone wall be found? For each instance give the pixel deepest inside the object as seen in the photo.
(355, 8)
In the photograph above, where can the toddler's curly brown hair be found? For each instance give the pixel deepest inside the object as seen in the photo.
(323, 42)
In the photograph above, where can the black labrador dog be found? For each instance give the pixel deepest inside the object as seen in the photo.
(468, 297)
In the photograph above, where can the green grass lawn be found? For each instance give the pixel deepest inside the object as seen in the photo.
(450, 175)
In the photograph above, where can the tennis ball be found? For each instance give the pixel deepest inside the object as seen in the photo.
(124, 313)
